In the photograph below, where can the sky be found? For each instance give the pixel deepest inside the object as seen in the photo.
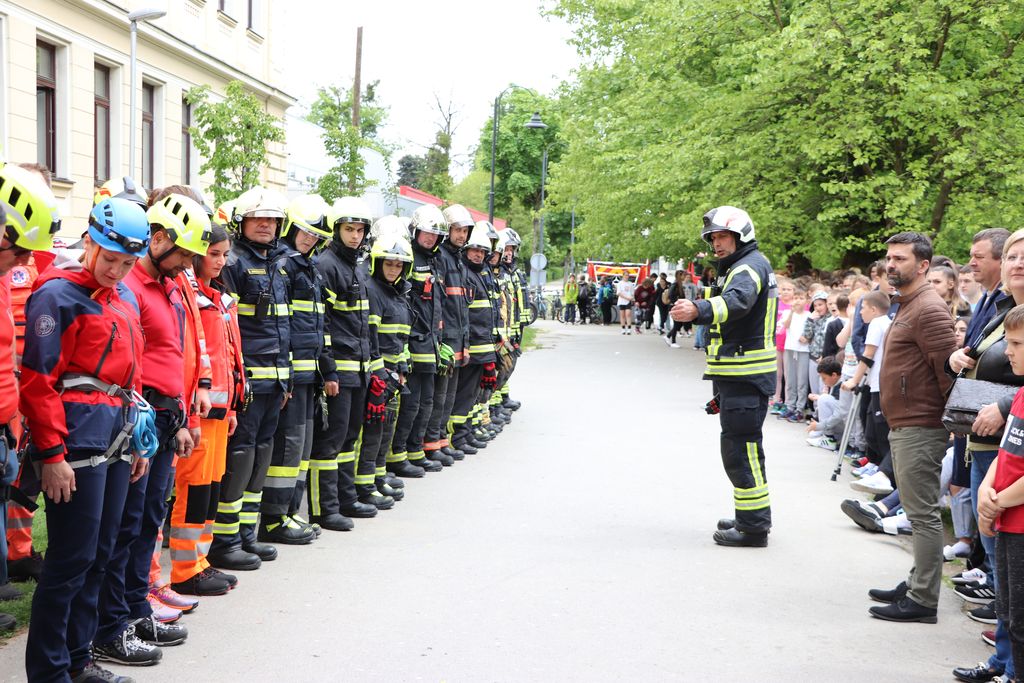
(465, 51)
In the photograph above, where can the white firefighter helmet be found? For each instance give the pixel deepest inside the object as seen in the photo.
(728, 219)
(428, 218)
(458, 216)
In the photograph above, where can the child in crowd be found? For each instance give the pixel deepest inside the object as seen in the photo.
(824, 431)
(875, 312)
(785, 302)
(797, 353)
(814, 336)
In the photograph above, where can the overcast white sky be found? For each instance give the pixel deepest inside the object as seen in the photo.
(465, 50)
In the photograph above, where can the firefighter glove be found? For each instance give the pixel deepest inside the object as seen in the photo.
(489, 380)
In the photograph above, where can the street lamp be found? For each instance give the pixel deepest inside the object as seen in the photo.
(534, 122)
(134, 18)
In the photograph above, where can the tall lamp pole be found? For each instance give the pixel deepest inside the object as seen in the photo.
(134, 18)
(534, 122)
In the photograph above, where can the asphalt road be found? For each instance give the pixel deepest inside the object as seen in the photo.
(578, 547)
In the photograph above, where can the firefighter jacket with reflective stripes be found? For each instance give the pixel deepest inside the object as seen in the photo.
(518, 290)
(425, 306)
(741, 313)
(73, 325)
(524, 298)
(353, 351)
(390, 318)
(494, 294)
(308, 334)
(451, 279)
(259, 281)
(481, 317)
(197, 360)
(509, 304)
(219, 313)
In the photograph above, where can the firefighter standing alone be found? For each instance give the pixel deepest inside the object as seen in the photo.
(740, 311)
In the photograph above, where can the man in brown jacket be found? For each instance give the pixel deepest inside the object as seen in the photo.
(913, 386)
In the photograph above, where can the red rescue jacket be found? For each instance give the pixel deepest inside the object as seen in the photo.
(218, 311)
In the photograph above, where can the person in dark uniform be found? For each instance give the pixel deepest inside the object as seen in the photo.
(740, 310)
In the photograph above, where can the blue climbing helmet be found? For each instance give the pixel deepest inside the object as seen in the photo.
(119, 225)
(144, 435)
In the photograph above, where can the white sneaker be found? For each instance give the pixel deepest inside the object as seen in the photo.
(958, 549)
(866, 470)
(815, 434)
(668, 342)
(970, 576)
(877, 484)
(629, 332)
(897, 524)
(826, 442)
(674, 345)
(623, 330)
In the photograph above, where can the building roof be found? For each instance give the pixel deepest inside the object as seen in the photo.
(427, 198)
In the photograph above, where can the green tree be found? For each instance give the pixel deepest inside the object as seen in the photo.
(833, 123)
(411, 169)
(343, 142)
(232, 136)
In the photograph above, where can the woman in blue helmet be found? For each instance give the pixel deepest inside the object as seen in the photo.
(83, 342)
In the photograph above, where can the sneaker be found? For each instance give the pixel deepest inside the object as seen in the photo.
(877, 484)
(867, 516)
(153, 632)
(897, 524)
(865, 470)
(776, 408)
(981, 594)
(668, 342)
(982, 673)
(9, 592)
(174, 600)
(860, 461)
(127, 649)
(230, 578)
(989, 637)
(958, 549)
(795, 416)
(674, 345)
(970, 576)
(163, 613)
(986, 614)
(94, 673)
(826, 442)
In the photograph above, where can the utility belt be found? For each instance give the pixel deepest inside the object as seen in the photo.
(175, 408)
(117, 450)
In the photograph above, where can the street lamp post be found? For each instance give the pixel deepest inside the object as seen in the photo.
(534, 122)
(134, 18)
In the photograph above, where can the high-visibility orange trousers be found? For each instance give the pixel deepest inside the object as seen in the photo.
(19, 519)
(197, 484)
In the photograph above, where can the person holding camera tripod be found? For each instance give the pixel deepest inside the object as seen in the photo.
(740, 312)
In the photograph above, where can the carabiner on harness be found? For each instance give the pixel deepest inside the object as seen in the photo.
(144, 434)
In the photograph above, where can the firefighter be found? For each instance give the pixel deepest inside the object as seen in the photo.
(740, 310)
(451, 283)
(497, 415)
(86, 463)
(480, 373)
(255, 275)
(430, 358)
(198, 477)
(390, 263)
(486, 428)
(331, 489)
(520, 315)
(305, 234)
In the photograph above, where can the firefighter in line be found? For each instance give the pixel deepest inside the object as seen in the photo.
(427, 357)
(331, 489)
(305, 234)
(740, 310)
(198, 477)
(521, 313)
(389, 263)
(450, 280)
(485, 427)
(254, 274)
(480, 373)
(86, 463)
(497, 415)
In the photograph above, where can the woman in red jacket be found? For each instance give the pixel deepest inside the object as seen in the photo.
(83, 342)
(197, 478)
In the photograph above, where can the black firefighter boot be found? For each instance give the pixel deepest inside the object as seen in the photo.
(369, 495)
(387, 490)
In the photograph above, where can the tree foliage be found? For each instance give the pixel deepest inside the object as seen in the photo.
(411, 170)
(232, 136)
(834, 122)
(343, 141)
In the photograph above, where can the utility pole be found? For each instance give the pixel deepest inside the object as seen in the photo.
(357, 95)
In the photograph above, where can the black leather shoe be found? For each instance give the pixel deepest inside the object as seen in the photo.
(453, 453)
(978, 674)
(235, 560)
(7, 622)
(438, 456)
(511, 405)
(905, 610)
(378, 500)
(385, 490)
(393, 481)
(467, 448)
(882, 595)
(285, 530)
(267, 553)
(739, 539)
(333, 522)
(482, 435)
(9, 592)
(405, 469)
(428, 465)
(359, 510)
(475, 443)
(726, 523)
(230, 578)
(26, 568)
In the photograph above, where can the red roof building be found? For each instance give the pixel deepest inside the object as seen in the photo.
(421, 197)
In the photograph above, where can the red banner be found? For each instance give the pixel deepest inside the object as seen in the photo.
(600, 269)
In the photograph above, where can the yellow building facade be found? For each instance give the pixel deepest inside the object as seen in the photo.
(65, 88)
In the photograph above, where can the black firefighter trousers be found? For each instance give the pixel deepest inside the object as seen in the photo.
(743, 409)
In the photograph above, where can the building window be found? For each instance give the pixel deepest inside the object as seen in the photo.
(148, 136)
(186, 143)
(101, 123)
(46, 104)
